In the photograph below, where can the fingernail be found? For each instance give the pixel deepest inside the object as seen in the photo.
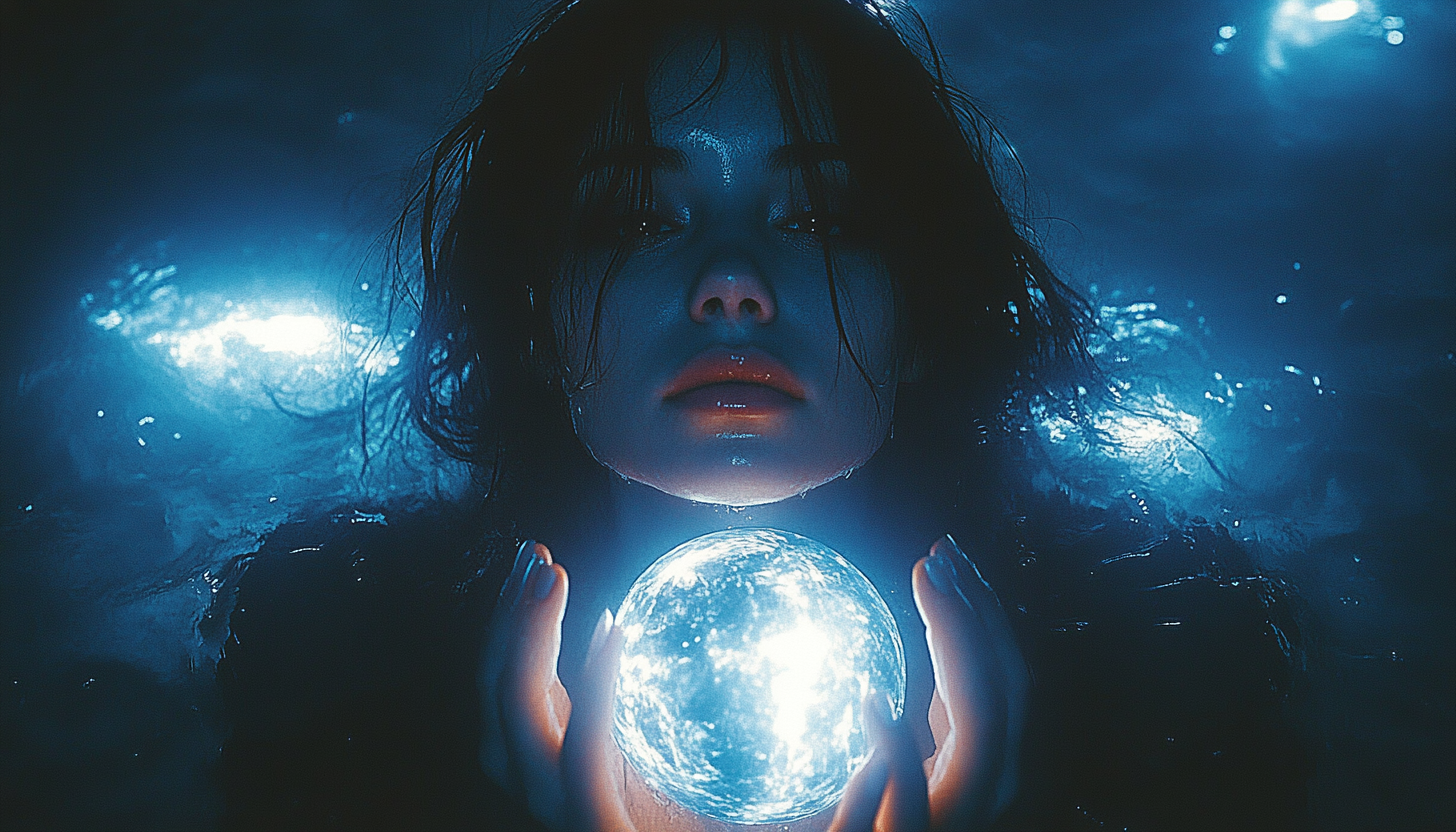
(879, 711)
(545, 579)
(599, 634)
(974, 570)
(515, 583)
(524, 556)
(941, 572)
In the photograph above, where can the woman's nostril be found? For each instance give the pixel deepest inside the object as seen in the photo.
(731, 297)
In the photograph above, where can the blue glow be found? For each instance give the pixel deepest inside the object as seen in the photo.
(1301, 25)
(748, 655)
(287, 352)
(1335, 10)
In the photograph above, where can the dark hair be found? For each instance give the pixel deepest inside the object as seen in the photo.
(987, 320)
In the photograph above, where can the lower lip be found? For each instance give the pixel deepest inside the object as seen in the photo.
(734, 408)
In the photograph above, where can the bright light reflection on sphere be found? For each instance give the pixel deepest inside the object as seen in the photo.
(747, 657)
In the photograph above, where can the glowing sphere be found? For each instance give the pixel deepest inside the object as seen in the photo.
(747, 657)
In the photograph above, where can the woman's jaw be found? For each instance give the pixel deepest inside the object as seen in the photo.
(724, 369)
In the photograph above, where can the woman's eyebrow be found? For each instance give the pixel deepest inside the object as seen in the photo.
(804, 154)
(632, 156)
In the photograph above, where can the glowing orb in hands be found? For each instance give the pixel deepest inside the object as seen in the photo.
(747, 657)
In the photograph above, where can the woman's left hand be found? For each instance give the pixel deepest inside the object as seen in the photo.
(978, 708)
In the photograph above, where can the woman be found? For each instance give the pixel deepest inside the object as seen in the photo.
(688, 266)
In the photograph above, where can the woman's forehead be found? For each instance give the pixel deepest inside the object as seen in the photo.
(716, 94)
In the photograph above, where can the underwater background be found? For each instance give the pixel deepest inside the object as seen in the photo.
(197, 343)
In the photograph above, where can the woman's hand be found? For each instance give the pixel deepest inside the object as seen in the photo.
(976, 713)
(560, 758)
(979, 705)
(525, 706)
(564, 762)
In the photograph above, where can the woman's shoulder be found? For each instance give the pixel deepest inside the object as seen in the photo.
(347, 678)
(1164, 658)
(330, 600)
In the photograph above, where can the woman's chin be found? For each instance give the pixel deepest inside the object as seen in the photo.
(739, 485)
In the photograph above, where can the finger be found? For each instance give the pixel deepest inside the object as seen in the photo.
(968, 679)
(538, 637)
(960, 650)
(906, 805)
(983, 599)
(861, 801)
(528, 557)
(590, 765)
(865, 790)
(534, 700)
(1012, 669)
(504, 632)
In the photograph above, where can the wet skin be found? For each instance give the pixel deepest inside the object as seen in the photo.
(721, 375)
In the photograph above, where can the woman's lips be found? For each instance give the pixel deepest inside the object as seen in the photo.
(734, 392)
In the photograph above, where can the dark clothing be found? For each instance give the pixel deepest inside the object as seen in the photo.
(1160, 662)
(349, 679)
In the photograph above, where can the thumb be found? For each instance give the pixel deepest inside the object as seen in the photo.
(590, 765)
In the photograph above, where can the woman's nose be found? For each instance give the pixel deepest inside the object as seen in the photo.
(736, 294)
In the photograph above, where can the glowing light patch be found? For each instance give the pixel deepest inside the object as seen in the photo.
(1161, 431)
(1154, 437)
(748, 654)
(1335, 11)
(264, 353)
(296, 334)
(1296, 23)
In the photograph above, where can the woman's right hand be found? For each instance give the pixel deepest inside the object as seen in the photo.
(525, 707)
(560, 758)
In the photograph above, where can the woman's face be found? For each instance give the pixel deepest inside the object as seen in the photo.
(721, 375)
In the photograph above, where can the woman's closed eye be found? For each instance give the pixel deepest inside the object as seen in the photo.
(608, 227)
(647, 225)
(823, 223)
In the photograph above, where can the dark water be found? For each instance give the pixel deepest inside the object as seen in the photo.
(1262, 203)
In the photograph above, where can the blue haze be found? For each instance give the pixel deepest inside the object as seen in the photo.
(1251, 211)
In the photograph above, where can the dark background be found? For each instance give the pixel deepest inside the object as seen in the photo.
(263, 149)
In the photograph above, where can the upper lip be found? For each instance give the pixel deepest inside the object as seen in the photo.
(746, 365)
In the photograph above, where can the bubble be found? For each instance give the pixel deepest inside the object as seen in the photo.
(1395, 37)
(747, 657)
